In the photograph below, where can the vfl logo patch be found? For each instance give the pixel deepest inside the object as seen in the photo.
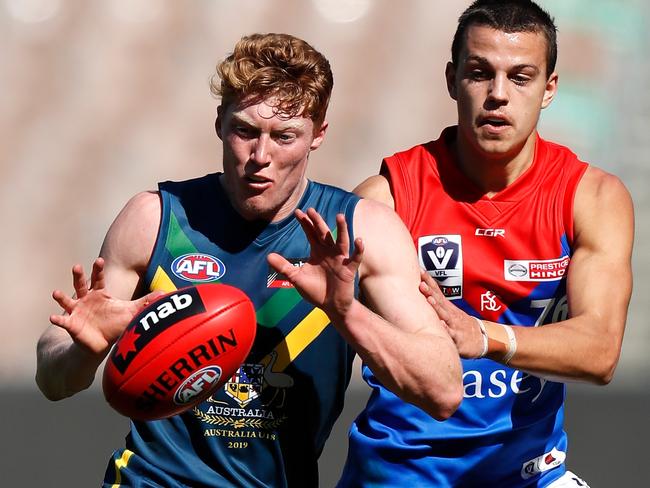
(442, 257)
(279, 280)
(546, 461)
(535, 270)
(202, 381)
(152, 321)
(198, 268)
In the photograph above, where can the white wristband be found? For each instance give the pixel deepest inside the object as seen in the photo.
(485, 337)
(512, 344)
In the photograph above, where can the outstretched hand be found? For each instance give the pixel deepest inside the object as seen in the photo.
(462, 328)
(92, 317)
(327, 279)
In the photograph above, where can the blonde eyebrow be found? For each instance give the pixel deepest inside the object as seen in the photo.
(241, 117)
(292, 124)
(284, 125)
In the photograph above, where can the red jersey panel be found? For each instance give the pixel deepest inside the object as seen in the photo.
(505, 259)
(490, 252)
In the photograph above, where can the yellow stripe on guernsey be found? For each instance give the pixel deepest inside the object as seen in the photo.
(298, 339)
(119, 464)
(162, 282)
(291, 346)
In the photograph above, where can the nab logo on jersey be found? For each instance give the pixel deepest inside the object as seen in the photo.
(442, 257)
(198, 268)
(279, 280)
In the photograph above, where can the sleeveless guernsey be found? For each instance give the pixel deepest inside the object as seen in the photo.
(267, 426)
(504, 259)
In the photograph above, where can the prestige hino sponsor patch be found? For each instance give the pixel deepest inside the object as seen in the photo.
(535, 269)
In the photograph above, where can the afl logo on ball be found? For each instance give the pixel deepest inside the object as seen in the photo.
(198, 268)
(199, 383)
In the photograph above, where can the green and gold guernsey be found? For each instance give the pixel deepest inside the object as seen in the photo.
(267, 426)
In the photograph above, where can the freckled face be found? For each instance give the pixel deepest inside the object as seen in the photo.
(500, 86)
(265, 158)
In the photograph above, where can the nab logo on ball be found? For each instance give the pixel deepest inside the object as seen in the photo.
(199, 268)
(197, 384)
(152, 321)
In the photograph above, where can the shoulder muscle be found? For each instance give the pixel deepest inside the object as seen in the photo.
(129, 243)
(389, 247)
(602, 207)
(376, 188)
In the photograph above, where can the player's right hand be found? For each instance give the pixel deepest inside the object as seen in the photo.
(327, 279)
(462, 328)
(92, 317)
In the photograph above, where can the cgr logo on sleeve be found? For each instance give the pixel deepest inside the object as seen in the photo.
(442, 257)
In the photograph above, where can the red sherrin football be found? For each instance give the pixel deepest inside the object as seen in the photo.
(178, 350)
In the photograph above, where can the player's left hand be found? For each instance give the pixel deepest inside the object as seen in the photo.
(92, 317)
(327, 279)
(462, 328)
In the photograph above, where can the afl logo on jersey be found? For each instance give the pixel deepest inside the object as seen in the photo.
(198, 268)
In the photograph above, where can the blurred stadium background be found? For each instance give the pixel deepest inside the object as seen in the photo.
(102, 99)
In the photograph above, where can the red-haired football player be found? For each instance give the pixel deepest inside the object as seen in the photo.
(267, 426)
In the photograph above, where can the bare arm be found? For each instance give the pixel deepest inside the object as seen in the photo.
(404, 344)
(73, 347)
(587, 345)
(408, 349)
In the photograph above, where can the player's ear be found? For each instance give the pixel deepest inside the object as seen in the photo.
(550, 90)
(218, 120)
(450, 76)
(319, 135)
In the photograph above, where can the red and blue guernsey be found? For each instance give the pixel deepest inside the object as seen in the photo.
(267, 425)
(503, 258)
